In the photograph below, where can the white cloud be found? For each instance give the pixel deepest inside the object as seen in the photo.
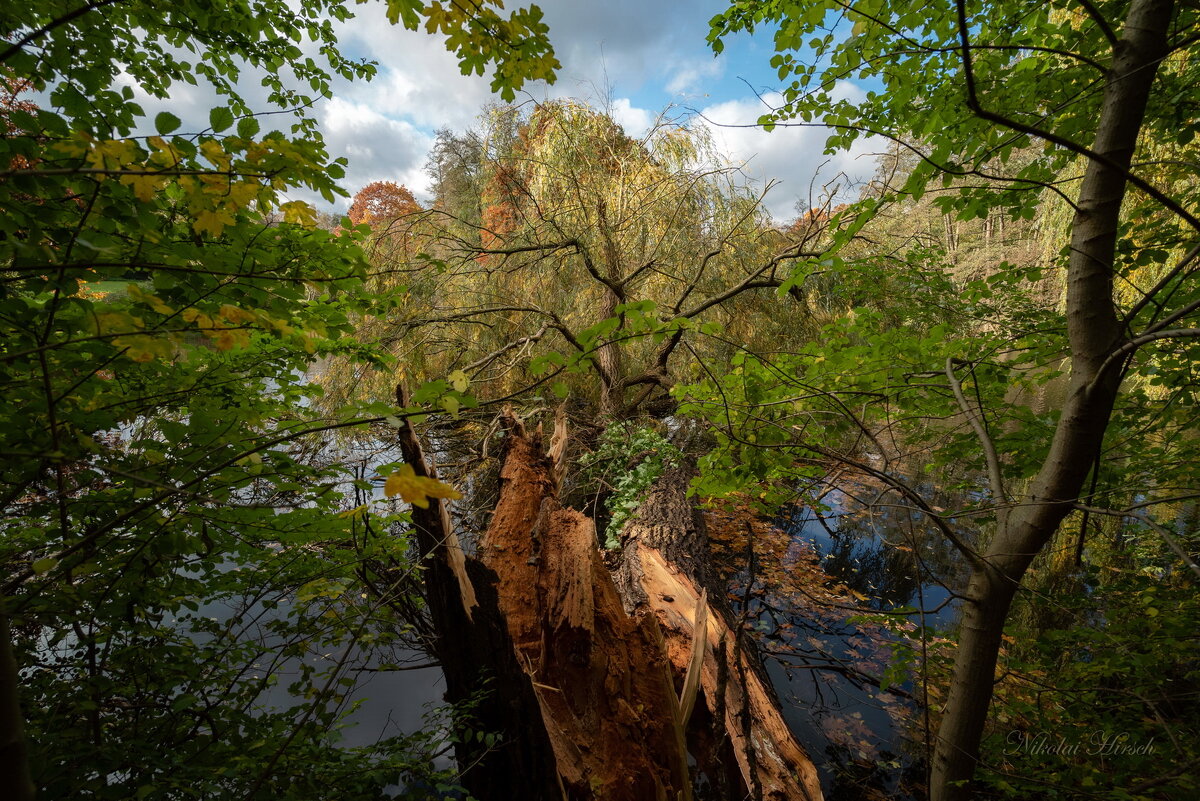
(418, 79)
(378, 147)
(791, 155)
(635, 121)
(688, 78)
(623, 43)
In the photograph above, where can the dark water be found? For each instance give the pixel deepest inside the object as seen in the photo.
(826, 660)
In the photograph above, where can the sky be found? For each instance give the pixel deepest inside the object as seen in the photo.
(637, 58)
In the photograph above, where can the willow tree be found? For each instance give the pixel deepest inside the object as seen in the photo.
(595, 253)
(964, 86)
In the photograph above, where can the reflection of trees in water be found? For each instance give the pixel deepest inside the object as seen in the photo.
(873, 550)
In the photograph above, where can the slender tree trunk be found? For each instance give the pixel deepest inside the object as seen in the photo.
(612, 385)
(15, 782)
(1094, 332)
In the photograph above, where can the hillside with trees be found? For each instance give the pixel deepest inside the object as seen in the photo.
(898, 498)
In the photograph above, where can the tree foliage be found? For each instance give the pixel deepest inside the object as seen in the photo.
(380, 203)
(176, 536)
(1001, 111)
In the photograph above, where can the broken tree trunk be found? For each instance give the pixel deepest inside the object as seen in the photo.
(477, 657)
(601, 678)
(583, 693)
(662, 573)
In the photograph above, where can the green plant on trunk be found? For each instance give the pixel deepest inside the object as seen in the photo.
(629, 459)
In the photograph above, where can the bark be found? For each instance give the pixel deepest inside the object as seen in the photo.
(662, 574)
(769, 758)
(612, 367)
(1094, 332)
(478, 660)
(582, 693)
(601, 678)
(14, 762)
(668, 522)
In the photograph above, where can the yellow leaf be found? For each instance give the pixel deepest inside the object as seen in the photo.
(355, 512)
(235, 315)
(112, 154)
(458, 380)
(212, 222)
(143, 348)
(415, 489)
(300, 213)
(145, 187)
(243, 193)
(111, 322)
(136, 293)
(213, 151)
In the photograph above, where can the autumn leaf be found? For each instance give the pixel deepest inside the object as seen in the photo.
(216, 154)
(381, 202)
(299, 213)
(212, 222)
(415, 489)
(458, 379)
(145, 187)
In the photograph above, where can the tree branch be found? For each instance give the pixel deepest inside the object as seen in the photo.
(977, 108)
(1132, 345)
(49, 26)
(989, 447)
(1160, 529)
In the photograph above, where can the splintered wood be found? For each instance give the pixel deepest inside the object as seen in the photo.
(601, 678)
(778, 763)
(606, 680)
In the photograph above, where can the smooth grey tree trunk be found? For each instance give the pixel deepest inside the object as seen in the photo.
(1094, 332)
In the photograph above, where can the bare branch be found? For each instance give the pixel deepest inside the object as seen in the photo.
(989, 447)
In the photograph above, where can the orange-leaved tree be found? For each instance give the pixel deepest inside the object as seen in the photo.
(382, 202)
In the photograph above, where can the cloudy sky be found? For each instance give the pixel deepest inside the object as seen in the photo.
(637, 57)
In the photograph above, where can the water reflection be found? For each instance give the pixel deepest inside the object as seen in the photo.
(810, 600)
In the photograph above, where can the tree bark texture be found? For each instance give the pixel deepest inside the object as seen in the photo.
(478, 659)
(662, 574)
(601, 678)
(583, 694)
(1094, 333)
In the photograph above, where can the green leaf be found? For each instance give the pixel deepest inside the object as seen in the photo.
(248, 127)
(165, 122)
(44, 565)
(220, 118)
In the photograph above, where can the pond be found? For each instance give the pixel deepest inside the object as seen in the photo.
(817, 582)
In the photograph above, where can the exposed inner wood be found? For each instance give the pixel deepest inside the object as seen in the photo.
(780, 765)
(601, 678)
(606, 685)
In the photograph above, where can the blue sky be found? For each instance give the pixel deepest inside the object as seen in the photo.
(637, 57)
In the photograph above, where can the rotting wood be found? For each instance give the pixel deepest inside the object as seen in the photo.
(782, 768)
(584, 692)
(601, 678)
(662, 573)
(477, 655)
(691, 679)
